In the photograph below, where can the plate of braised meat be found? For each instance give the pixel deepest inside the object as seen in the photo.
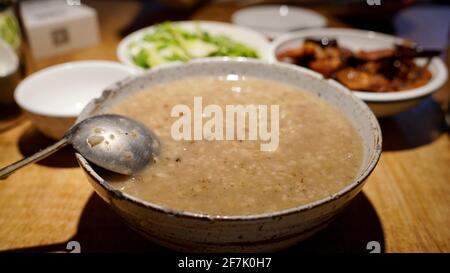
(379, 68)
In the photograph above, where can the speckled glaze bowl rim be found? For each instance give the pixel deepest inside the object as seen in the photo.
(364, 173)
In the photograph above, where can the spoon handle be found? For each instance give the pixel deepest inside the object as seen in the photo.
(6, 171)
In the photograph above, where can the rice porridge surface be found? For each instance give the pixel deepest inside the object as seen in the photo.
(319, 151)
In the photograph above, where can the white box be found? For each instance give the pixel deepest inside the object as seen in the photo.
(55, 27)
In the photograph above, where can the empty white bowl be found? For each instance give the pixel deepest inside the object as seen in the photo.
(9, 73)
(382, 104)
(53, 97)
(275, 20)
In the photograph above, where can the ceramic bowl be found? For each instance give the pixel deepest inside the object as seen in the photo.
(188, 231)
(275, 20)
(382, 104)
(53, 97)
(244, 35)
(9, 73)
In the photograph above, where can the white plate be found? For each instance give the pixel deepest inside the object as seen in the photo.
(274, 20)
(244, 35)
(385, 103)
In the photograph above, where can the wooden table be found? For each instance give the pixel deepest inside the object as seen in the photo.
(405, 205)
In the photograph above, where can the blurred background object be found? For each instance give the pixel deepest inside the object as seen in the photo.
(55, 27)
(9, 25)
(9, 78)
(366, 14)
(275, 20)
(10, 63)
(429, 26)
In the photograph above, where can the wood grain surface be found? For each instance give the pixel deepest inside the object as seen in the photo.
(405, 205)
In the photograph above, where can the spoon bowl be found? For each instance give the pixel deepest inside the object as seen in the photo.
(116, 143)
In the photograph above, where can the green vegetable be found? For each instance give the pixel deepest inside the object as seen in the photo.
(9, 29)
(169, 43)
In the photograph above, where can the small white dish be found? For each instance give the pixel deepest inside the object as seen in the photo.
(9, 62)
(9, 73)
(275, 20)
(382, 104)
(53, 97)
(240, 34)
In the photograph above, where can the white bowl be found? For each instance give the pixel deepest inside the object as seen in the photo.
(382, 104)
(240, 34)
(9, 73)
(53, 97)
(275, 20)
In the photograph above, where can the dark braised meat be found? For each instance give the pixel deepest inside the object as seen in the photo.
(377, 71)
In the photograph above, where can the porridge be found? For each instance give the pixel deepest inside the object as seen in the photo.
(319, 152)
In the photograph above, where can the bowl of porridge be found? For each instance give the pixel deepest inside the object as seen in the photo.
(254, 156)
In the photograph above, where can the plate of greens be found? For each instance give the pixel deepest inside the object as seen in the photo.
(177, 42)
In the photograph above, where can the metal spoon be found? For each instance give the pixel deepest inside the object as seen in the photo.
(114, 142)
